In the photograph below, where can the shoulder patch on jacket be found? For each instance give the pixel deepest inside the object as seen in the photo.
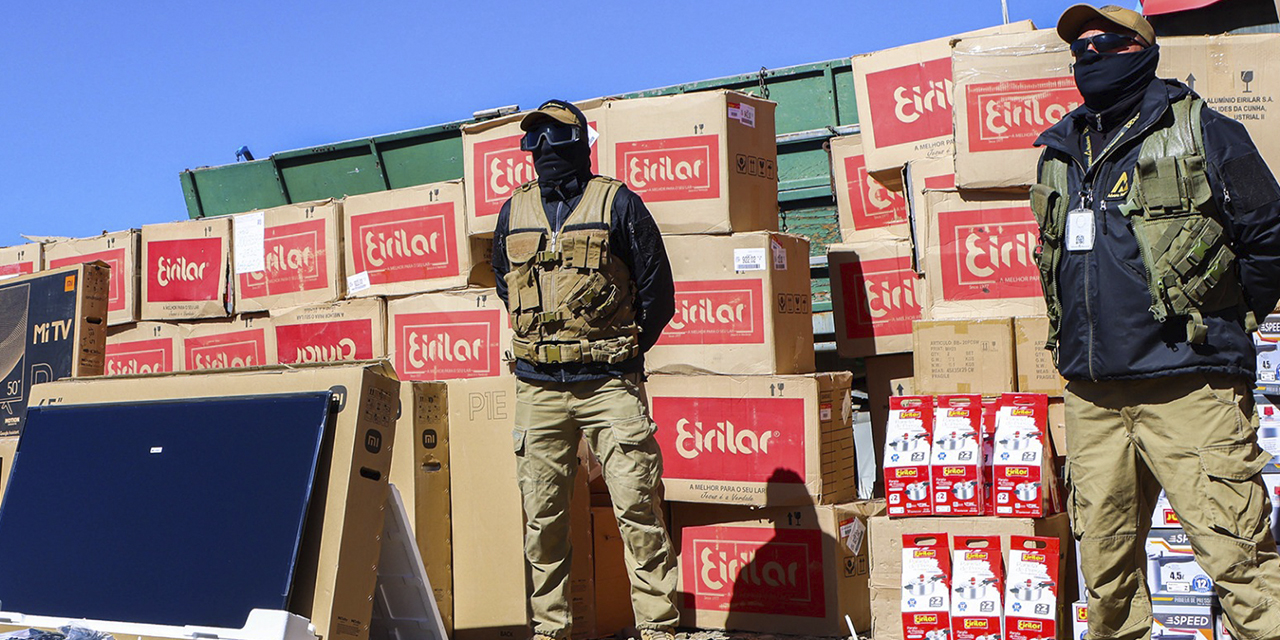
(1121, 188)
(1250, 182)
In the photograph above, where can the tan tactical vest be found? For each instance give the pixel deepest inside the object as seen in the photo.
(1185, 251)
(570, 298)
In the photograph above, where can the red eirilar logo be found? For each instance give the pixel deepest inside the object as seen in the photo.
(401, 245)
(446, 345)
(754, 570)
(16, 269)
(717, 312)
(295, 261)
(669, 169)
(731, 439)
(500, 167)
(873, 205)
(910, 103)
(1011, 115)
(236, 349)
(140, 356)
(337, 341)
(880, 297)
(184, 270)
(115, 259)
(987, 254)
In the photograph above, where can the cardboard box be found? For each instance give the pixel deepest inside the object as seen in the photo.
(612, 584)
(8, 449)
(53, 324)
(411, 240)
(1036, 371)
(21, 260)
(340, 331)
(868, 209)
(905, 99)
(884, 378)
(1079, 620)
(742, 306)
(876, 295)
(1058, 425)
(794, 570)
(121, 251)
(703, 162)
(908, 486)
(886, 555)
(964, 356)
(337, 563)
(489, 574)
(755, 440)
(185, 268)
(494, 167)
(145, 347)
(245, 341)
(287, 256)
(979, 255)
(1183, 622)
(420, 470)
(261, 624)
(1238, 75)
(1265, 342)
(926, 586)
(1008, 90)
(956, 467)
(1033, 610)
(448, 335)
(1173, 575)
(1025, 476)
(977, 567)
(582, 589)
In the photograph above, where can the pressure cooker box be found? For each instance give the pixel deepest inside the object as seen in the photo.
(908, 437)
(956, 461)
(1032, 609)
(926, 586)
(1026, 482)
(977, 588)
(120, 250)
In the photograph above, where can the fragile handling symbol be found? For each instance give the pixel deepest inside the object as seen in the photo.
(848, 567)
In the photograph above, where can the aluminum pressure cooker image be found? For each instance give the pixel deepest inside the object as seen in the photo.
(918, 491)
(965, 490)
(923, 586)
(1030, 591)
(1027, 491)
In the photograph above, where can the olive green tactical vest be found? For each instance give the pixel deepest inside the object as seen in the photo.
(570, 298)
(1189, 265)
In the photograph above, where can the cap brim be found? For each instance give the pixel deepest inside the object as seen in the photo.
(1072, 22)
(532, 119)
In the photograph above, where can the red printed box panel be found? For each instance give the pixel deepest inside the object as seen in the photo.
(296, 260)
(670, 169)
(1011, 115)
(187, 270)
(141, 356)
(115, 258)
(753, 570)
(337, 341)
(448, 345)
(717, 312)
(881, 297)
(401, 245)
(987, 253)
(872, 204)
(235, 349)
(910, 103)
(731, 439)
(501, 167)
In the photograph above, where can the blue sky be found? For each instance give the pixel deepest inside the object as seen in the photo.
(105, 103)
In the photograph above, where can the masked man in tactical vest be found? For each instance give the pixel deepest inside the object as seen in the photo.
(1160, 250)
(582, 269)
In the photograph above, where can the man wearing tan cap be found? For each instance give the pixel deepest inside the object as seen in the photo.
(1160, 251)
(582, 269)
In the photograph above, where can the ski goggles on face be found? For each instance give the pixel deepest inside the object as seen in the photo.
(555, 133)
(1102, 43)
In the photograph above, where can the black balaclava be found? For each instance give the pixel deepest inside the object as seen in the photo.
(1106, 80)
(568, 167)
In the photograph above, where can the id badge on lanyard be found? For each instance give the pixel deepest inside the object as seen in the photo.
(1080, 230)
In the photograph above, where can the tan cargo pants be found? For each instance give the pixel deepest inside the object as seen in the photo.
(1195, 435)
(551, 418)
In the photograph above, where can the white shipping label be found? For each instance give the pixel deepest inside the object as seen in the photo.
(779, 256)
(250, 230)
(592, 136)
(853, 532)
(358, 282)
(1080, 230)
(750, 260)
(744, 113)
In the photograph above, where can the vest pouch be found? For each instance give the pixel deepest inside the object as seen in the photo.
(584, 250)
(594, 298)
(522, 246)
(1050, 209)
(1169, 186)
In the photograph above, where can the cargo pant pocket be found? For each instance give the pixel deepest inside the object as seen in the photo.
(633, 431)
(1073, 509)
(1235, 496)
(517, 442)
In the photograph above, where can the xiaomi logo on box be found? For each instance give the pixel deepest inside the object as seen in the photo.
(416, 243)
(115, 258)
(717, 312)
(668, 169)
(501, 167)
(873, 204)
(336, 341)
(911, 103)
(987, 253)
(184, 270)
(1011, 115)
(448, 344)
(295, 261)
(142, 356)
(754, 570)
(236, 349)
(731, 439)
(883, 296)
